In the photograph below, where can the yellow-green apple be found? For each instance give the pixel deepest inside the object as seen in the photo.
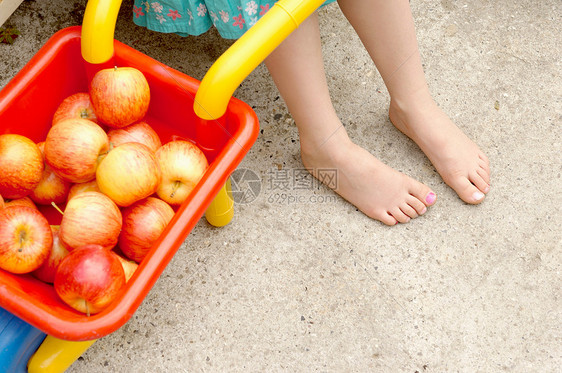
(51, 188)
(21, 166)
(25, 201)
(77, 105)
(120, 96)
(74, 147)
(89, 278)
(182, 164)
(25, 239)
(143, 223)
(138, 132)
(90, 218)
(128, 173)
(89, 186)
(129, 267)
(46, 272)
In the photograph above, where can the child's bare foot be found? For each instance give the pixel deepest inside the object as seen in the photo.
(379, 191)
(459, 161)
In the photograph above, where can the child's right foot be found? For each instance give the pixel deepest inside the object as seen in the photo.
(379, 191)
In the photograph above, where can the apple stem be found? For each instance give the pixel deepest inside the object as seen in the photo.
(87, 308)
(57, 208)
(175, 188)
(101, 156)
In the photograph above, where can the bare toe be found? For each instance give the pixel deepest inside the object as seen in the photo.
(409, 210)
(476, 179)
(423, 194)
(467, 191)
(484, 165)
(416, 204)
(399, 215)
(386, 218)
(484, 175)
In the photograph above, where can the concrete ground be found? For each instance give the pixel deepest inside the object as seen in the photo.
(309, 283)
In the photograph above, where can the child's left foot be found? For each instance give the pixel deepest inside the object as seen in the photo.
(459, 161)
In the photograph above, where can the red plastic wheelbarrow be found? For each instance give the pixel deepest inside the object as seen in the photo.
(223, 127)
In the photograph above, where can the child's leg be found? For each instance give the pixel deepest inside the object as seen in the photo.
(386, 28)
(376, 189)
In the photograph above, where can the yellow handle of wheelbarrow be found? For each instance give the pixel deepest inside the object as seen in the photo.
(98, 30)
(234, 65)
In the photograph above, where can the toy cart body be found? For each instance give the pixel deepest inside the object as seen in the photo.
(58, 71)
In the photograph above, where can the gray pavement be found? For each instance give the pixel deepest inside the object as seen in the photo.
(313, 284)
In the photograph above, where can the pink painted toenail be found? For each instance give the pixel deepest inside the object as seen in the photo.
(423, 210)
(430, 198)
(487, 189)
(477, 196)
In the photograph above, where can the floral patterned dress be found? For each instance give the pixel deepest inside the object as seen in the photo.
(194, 17)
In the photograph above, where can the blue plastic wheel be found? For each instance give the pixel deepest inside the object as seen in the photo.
(18, 341)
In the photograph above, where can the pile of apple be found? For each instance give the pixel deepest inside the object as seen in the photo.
(117, 183)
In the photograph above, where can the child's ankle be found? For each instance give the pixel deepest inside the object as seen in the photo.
(331, 151)
(412, 102)
(329, 145)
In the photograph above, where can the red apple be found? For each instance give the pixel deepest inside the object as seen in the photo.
(21, 166)
(129, 267)
(89, 278)
(128, 174)
(77, 105)
(120, 96)
(25, 201)
(25, 239)
(51, 188)
(90, 218)
(46, 272)
(74, 147)
(182, 164)
(89, 186)
(139, 132)
(143, 223)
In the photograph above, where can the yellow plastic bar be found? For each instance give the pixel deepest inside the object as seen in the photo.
(56, 355)
(98, 30)
(221, 211)
(234, 65)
